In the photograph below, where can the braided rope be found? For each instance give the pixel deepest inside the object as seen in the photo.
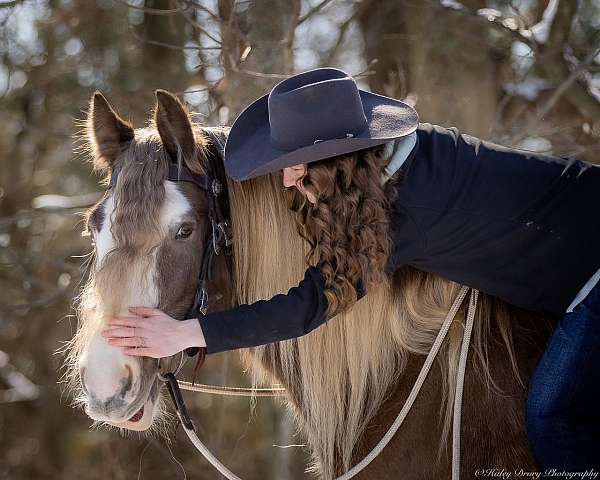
(460, 380)
(232, 391)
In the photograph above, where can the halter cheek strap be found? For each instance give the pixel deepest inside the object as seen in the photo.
(219, 237)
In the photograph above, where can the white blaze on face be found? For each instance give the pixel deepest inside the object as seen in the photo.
(104, 239)
(175, 207)
(107, 369)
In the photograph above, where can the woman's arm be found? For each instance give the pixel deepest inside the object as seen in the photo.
(282, 317)
(152, 333)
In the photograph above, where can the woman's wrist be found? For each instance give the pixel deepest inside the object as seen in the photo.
(192, 333)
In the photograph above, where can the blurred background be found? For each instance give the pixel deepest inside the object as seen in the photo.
(523, 73)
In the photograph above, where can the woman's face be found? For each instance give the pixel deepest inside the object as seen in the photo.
(293, 176)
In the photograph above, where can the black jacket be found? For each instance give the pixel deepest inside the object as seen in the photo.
(521, 226)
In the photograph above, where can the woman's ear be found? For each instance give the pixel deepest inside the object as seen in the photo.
(107, 133)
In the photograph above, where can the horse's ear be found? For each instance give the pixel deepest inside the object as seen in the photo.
(107, 132)
(175, 129)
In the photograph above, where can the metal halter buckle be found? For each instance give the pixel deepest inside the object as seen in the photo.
(200, 301)
(220, 232)
(216, 187)
(216, 237)
(225, 228)
(203, 306)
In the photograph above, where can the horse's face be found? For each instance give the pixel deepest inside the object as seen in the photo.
(148, 234)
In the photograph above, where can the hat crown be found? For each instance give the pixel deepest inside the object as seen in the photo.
(317, 105)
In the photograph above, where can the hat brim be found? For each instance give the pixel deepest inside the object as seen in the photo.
(250, 137)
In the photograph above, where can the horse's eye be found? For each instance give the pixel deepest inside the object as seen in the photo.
(184, 231)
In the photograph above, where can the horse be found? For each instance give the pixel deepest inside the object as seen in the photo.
(346, 380)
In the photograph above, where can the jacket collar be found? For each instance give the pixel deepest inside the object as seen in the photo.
(398, 152)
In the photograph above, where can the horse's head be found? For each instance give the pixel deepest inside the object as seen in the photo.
(149, 235)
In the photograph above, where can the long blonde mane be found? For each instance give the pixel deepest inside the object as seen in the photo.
(339, 374)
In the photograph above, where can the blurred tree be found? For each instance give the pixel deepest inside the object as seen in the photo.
(446, 60)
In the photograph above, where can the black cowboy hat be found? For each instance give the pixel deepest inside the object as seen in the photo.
(310, 116)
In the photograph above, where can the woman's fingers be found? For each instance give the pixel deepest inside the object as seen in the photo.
(138, 352)
(124, 322)
(133, 334)
(135, 319)
(119, 332)
(128, 342)
(145, 311)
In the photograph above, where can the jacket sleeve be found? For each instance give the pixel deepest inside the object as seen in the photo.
(282, 317)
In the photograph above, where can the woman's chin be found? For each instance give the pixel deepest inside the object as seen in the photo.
(141, 420)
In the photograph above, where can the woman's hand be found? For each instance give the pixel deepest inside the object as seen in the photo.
(152, 333)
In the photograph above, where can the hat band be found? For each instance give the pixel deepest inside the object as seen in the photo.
(287, 148)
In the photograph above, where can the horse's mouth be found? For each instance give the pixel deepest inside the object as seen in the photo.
(140, 420)
(143, 418)
(138, 415)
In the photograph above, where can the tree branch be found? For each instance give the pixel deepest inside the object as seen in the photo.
(154, 11)
(313, 11)
(549, 57)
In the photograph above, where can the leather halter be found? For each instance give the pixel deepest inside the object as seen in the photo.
(219, 236)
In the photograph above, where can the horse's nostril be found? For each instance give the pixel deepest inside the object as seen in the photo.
(128, 382)
(83, 385)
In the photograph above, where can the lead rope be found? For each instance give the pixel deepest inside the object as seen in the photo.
(232, 391)
(419, 383)
(189, 429)
(460, 381)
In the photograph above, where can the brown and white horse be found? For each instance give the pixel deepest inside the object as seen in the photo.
(346, 380)
(149, 236)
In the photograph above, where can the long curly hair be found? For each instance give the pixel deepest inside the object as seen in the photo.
(347, 227)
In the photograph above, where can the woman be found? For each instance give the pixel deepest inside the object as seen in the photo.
(517, 225)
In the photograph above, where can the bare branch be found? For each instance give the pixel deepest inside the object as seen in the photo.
(10, 4)
(499, 21)
(171, 46)
(549, 57)
(154, 11)
(201, 29)
(343, 29)
(252, 73)
(204, 9)
(582, 67)
(313, 11)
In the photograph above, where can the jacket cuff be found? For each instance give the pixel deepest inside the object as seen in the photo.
(213, 335)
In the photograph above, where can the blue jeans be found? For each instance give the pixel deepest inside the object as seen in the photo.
(563, 406)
